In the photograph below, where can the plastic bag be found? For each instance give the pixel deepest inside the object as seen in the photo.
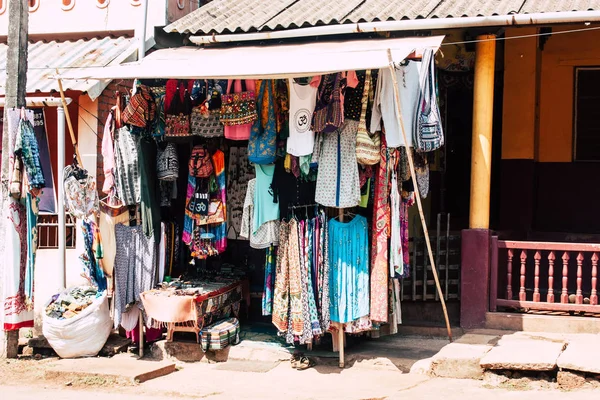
(84, 335)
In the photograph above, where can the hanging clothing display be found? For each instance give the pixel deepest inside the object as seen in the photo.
(149, 193)
(308, 150)
(267, 234)
(379, 240)
(303, 99)
(337, 178)
(301, 295)
(265, 206)
(19, 242)
(108, 153)
(135, 266)
(267, 298)
(239, 172)
(109, 218)
(128, 172)
(349, 269)
(385, 109)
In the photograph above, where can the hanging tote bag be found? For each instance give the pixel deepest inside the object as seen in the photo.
(200, 164)
(368, 146)
(177, 120)
(329, 114)
(429, 135)
(262, 146)
(141, 110)
(205, 121)
(238, 108)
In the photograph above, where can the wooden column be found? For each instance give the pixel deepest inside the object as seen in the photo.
(16, 90)
(481, 153)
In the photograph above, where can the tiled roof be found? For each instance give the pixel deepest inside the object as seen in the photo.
(237, 16)
(44, 58)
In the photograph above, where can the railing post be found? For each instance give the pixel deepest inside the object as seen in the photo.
(551, 258)
(536, 277)
(594, 295)
(564, 296)
(522, 293)
(494, 274)
(509, 266)
(579, 293)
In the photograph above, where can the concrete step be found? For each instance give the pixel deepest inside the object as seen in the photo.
(525, 351)
(120, 369)
(542, 323)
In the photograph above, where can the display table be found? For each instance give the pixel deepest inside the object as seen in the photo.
(190, 309)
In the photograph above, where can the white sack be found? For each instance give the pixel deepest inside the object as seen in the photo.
(84, 335)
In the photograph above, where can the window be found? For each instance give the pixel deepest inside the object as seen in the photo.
(587, 119)
(34, 5)
(67, 5)
(102, 3)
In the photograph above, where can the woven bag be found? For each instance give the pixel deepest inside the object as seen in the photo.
(205, 121)
(238, 108)
(329, 115)
(167, 163)
(141, 109)
(367, 146)
(177, 119)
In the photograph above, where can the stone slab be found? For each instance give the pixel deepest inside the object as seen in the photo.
(122, 367)
(180, 351)
(459, 361)
(582, 354)
(524, 353)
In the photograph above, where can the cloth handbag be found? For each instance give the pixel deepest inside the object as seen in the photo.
(428, 131)
(262, 146)
(329, 114)
(220, 335)
(368, 146)
(177, 119)
(167, 163)
(141, 109)
(159, 93)
(205, 121)
(200, 164)
(238, 108)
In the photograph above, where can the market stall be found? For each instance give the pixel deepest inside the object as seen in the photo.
(308, 151)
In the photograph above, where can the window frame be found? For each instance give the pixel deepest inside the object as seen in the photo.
(67, 7)
(576, 71)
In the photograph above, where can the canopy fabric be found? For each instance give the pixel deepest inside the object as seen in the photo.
(263, 62)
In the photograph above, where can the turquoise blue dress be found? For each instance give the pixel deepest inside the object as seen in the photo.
(349, 269)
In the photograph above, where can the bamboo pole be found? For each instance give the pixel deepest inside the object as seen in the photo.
(68, 118)
(417, 196)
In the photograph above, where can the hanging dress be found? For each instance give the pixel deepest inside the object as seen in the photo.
(349, 269)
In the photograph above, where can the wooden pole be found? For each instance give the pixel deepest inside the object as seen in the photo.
(481, 148)
(68, 118)
(16, 90)
(417, 196)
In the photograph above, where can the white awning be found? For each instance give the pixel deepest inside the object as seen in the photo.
(259, 62)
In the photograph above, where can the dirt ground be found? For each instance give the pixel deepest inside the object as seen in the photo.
(25, 379)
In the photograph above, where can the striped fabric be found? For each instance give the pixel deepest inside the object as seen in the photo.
(220, 335)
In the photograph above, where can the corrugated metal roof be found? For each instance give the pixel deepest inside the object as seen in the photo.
(45, 57)
(221, 16)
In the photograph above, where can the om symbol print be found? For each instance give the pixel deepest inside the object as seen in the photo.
(302, 120)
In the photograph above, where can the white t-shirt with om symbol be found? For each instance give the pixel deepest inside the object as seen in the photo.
(303, 99)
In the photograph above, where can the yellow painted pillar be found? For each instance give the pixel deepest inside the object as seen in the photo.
(481, 153)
